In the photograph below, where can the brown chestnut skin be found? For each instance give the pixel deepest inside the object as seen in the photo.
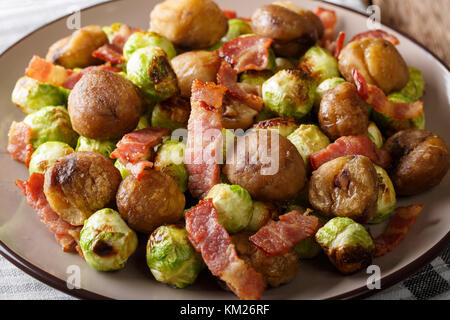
(192, 24)
(188, 66)
(237, 115)
(343, 112)
(104, 105)
(275, 270)
(79, 184)
(377, 60)
(293, 31)
(150, 202)
(420, 160)
(76, 50)
(345, 187)
(268, 173)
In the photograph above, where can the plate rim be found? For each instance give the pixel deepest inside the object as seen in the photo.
(358, 293)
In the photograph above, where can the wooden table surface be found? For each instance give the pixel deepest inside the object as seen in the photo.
(426, 21)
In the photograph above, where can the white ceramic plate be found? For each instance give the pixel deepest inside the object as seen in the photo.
(26, 241)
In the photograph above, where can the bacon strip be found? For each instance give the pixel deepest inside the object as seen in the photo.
(378, 100)
(329, 21)
(227, 77)
(204, 137)
(210, 238)
(377, 34)
(135, 147)
(278, 237)
(47, 72)
(230, 14)
(33, 189)
(247, 53)
(403, 219)
(109, 53)
(19, 145)
(351, 145)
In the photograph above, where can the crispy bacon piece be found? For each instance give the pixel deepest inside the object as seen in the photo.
(135, 147)
(33, 189)
(278, 237)
(211, 239)
(19, 145)
(329, 21)
(403, 219)
(247, 53)
(377, 34)
(47, 72)
(204, 142)
(378, 100)
(351, 145)
(230, 14)
(109, 53)
(227, 77)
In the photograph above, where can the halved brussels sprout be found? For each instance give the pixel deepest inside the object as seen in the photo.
(51, 124)
(263, 212)
(347, 244)
(390, 126)
(386, 196)
(172, 113)
(150, 70)
(46, 154)
(284, 126)
(254, 77)
(375, 134)
(320, 64)
(308, 138)
(171, 258)
(285, 63)
(324, 86)
(416, 85)
(31, 95)
(289, 93)
(124, 172)
(308, 249)
(106, 241)
(233, 204)
(103, 147)
(143, 39)
(170, 160)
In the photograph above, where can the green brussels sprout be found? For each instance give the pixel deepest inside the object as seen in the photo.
(263, 212)
(390, 126)
(140, 40)
(51, 124)
(375, 134)
(324, 86)
(233, 204)
(111, 30)
(171, 258)
(170, 160)
(320, 64)
(347, 244)
(308, 138)
(46, 154)
(386, 196)
(172, 113)
(124, 172)
(289, 93)
(150, 70)
(308, 249)
(143, 122)
(416, 85)
(284, 126)
(103, 147)
(31, 95)
(265, 114)
(106, 240)
(285, 63)
(254, 77)
(236, 28)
